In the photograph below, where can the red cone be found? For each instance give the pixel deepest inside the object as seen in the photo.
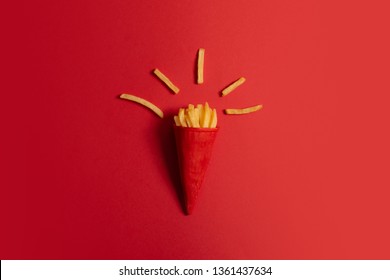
(194, 148)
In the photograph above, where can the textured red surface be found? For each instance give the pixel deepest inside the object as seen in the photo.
(87, 175)
(194, 148)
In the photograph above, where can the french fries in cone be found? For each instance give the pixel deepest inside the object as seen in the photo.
(195, 133)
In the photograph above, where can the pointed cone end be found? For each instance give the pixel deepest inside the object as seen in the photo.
(194, 148)
(188, 210)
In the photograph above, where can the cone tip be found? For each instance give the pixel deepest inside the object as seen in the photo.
(189, 210)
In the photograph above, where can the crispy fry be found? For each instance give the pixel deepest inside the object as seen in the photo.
(188, 120)
(143, 102)
(233, 86)
(207, 115)
(192, 114)
(166, 81)
(213, 119)
(196, 117)
(243, 110)
(177, 120)
(201, 114)
(182, 117)
(200, 65)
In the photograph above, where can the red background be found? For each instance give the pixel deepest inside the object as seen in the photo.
(85, 175)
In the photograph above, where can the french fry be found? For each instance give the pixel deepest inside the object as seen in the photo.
(166, 81)
(182, 118)
(213, 119)
(177, 120)
(203, 121)
(188, 120)
(196, 117)
(207, 115)
(143, 102)
(233, 86)
(243, 110)
(200, 65)
(192, 116)
(201, 114)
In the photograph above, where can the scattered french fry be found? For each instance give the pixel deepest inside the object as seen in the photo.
(166, 81)
(143, 102)
(201, 116)
(243, 110)
(233, 86)
(200, 65)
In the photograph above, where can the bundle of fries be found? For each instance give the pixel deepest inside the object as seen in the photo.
(199, 116)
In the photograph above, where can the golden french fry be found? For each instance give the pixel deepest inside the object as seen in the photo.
(233, 86)
(192, 116)
(213, 119)
(243, 110)
(143, 102)
(207, 115)
(177, 120)
(201, 114)
(200, 65)
(188, 120)
(182, 118)
(166, 81)
(189, 115)
(196, 117)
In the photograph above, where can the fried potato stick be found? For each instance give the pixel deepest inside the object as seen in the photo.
(143, 102)
(243, 110)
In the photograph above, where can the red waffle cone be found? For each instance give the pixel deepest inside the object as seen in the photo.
(194, 148)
